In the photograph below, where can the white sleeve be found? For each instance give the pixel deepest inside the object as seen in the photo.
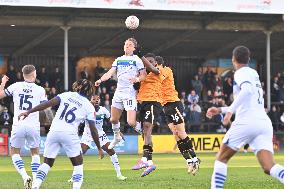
(139, 64)
(246, 91)
(106, 112)
(224, 110)
(10, 90)
(91, 113)
(43, 96)
(241, 77)
(114, 64)
(60, 97)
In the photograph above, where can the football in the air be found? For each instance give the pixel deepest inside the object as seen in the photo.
(132, 22)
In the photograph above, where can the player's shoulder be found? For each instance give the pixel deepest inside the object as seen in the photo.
(19, 83)
(17, 86)
(245, 72)
(67, 94)
(40, 88)
(103, 109)
(167, 70)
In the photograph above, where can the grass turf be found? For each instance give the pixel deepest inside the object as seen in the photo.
(244, 172)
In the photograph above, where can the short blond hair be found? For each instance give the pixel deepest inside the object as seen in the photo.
(28, 69)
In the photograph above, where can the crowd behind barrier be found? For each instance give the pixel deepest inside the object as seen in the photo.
(206, 89)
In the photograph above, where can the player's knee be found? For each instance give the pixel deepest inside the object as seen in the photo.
(114, 121)
(175, 133)
(147, 125)
(131, 123)
(181, 134)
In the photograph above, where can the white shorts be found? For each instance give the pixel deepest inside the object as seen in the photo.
(125, 100)
(57, 139)
(88, 139)
(25, 134)
(258, 134)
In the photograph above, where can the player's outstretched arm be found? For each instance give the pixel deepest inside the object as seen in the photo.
(95, 136)
(106, 76)
(149, 66)
(212, 112)
(4, 80)
(53, 102)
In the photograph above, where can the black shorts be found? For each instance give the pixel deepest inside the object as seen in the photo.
(150, 111)
(174, 112)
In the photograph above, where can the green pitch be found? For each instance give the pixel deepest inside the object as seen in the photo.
(244, 172)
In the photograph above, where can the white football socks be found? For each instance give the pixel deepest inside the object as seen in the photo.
(219, 175)
(35, 165)
(77, 176)
(116, 130)
(115, 162)
(41, 174)
(277, 171)
(19, 165)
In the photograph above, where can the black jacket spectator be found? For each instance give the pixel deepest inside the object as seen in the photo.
(99, 71)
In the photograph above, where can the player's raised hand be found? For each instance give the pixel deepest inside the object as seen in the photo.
(5, 79)
(23, 116)
(227, 118)
(212, 111)
(101, 154)
(98, 82)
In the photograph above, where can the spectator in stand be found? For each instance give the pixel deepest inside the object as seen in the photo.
(57, 80)
(280, 81)
(214, 102)
(107, 105)
(200, 74)
(12, 74)
(281, 94)
(282, 78)
(99, 71)
(209, 96)
(207, 100)
(43, 76)
(53, 93)
(275, 89)
(107, 97)
(218, 93)
(47, 88)
(195, 116)
(274, 115)
(228, 88)
(84, 73)
(183, 96)
(5, 117)
(197, 85)
(19, 77)
(208, 79)
(103, 94)
(217, 83)
(193, 97)
(111, 91)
